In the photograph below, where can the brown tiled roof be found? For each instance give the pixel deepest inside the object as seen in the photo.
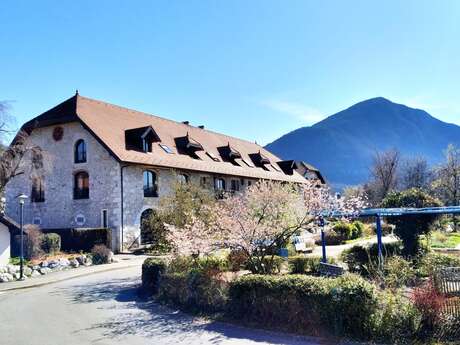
(109, 122)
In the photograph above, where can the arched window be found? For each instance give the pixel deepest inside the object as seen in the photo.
(150, 184)
(81, 185)
(80, 151)
(38, 190)
(182, 178)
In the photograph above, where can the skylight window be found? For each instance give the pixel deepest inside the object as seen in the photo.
(212, 156)
(247, 163)
(166, 148)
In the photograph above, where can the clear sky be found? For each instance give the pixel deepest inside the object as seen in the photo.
(253, 69)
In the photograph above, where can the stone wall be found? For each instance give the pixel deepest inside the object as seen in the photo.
(60, 210)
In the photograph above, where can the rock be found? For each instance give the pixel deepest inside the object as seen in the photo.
(110, 257)
(12, 269)
(6, 277)
(45, 270)
(44, 264)
(81, 259)
(53, 264)
(35, 267)
(17, 275)
(35, 274)
(27, 271)
(74, 263)
(3, 269)
(88, 262)
(64, 262)
(115, 261)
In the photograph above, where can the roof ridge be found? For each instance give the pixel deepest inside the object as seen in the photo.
(78, 96)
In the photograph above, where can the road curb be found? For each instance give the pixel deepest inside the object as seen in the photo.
(57, 280)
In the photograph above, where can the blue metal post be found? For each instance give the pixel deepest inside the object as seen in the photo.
(379, 239)
(21, 262)
(323, 240)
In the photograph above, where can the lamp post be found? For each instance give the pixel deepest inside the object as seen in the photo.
(22, 199)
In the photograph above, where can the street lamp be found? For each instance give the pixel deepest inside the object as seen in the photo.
(22, 198)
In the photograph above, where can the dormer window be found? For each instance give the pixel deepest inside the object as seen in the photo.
(189, 146)
(288, 167)
(260, 160)
(141, 139)
(230, 154)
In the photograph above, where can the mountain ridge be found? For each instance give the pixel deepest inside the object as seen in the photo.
(342, 144)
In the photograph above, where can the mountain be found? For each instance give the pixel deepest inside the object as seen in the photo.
(343, 144)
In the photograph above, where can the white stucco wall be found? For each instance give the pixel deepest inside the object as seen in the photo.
(4, 245)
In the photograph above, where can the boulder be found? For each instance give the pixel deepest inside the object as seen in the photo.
(45, 270)
(12, 269)
(3, 269)
(6, 277)
(64, 262)
(88, 261)
(74, 263)
(44, 264)
(53, 264)
(27, 271)
(35, 274)
(110, 257)
(17, 275)
(81, 259)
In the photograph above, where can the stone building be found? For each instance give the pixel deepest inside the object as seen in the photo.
(105, 166)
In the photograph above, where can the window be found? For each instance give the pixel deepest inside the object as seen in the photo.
(104, 219)
(80, 219)
(37, 221)
(235, 185)
(203, 181)
(182, 178)
(166, 148)
(219, 184)
(249, 183)
(80, 151)
(150, 184)
(81, 185)
(146, 146)
(38, 190)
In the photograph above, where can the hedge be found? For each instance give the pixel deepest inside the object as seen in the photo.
(312, 305)
(51, 243)
(306, 264)
(152, 270)
(76, 240)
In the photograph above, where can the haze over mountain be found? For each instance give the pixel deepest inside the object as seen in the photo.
(343, 144)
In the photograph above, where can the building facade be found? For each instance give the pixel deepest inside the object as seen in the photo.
(100, 165)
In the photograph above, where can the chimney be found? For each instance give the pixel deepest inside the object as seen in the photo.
(201, 126)
(186, 122)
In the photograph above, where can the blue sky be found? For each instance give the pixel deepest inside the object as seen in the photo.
(252, 69)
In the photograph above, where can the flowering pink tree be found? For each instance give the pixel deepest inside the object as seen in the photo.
(258, 222)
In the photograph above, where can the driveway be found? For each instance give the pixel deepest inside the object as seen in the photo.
(104, 309)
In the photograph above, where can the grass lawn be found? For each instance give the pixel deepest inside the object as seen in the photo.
(443, 240)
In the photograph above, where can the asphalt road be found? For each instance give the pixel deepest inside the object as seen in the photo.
(104, 309)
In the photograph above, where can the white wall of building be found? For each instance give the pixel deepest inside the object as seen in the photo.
(4, 245)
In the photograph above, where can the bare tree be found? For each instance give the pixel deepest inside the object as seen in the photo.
(415, 173)
(384, 175)
(447, 183)
(20, 157)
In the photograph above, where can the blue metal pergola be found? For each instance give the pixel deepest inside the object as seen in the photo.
(378, 213)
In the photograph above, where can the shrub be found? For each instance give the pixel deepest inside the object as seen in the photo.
(344, 305)
(152, 271)
(430, 303)
(398, 272)
(211, 264)
(428, 264)
(387, 229)
(196, 290)
(268, 265)
(357, 229)
(32, 242)
(51, 243)
(344, 230)
(237, 260)
(396, 321)
(361, 259)
(306, 264)
(180, 264)
(101, 254)
(331, 238)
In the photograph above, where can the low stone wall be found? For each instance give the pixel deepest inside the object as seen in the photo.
(10, 273)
